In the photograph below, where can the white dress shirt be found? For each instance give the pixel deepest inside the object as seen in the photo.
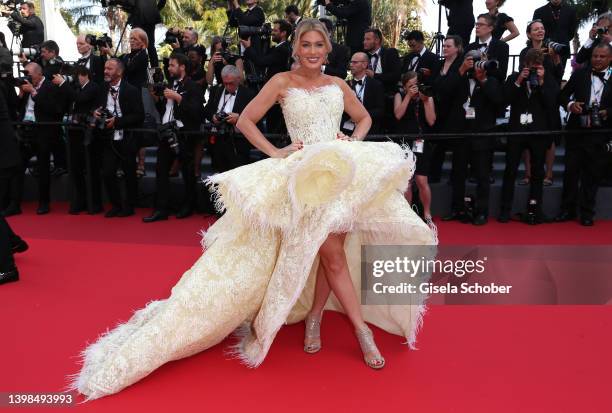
(112, 104)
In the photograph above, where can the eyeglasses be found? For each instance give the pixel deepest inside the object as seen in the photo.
(358, 61)
(481, 24)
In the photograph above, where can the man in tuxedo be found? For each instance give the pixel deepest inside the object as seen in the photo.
(292, 15)
(559, 19)
(490, 47)
(32, 28)
(228, 151)
(93, 63)
(369, 91)
(180, 104)
(531, 96)
(252, 16)
(43, 100)
(482, 94)
(419, 57)
(338, 58)
(85, 152)
(358, 17)
(123, 103)
(277, 59)
(460, 18)
(587, 90)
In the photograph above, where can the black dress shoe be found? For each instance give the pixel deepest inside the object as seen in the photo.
(480, 219)
(126, 212)
(76, 209)
(95, 210)
(10, 275)
(565, 216)
(18, 245)
(43, 208)
(184, 213)
(587, 222)
(156, 216)
(504, 217)
(113, 212)
(11, 210)
(454, 216)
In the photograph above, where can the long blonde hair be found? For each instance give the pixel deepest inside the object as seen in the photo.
(310, 25)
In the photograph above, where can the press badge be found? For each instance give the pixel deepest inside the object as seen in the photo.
(526, 119)
(470, 111)
(417, 146)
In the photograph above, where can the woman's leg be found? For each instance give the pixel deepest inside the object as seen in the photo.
(550, 160)
(312, 334)
(408, 193)
(424, 194)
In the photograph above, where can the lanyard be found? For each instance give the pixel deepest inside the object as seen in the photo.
(598, 91)
(114, 95)
(361, 91)
(226, 99)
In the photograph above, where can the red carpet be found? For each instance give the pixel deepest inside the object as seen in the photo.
(83, 274)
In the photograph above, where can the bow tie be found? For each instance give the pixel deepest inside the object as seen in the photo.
(359, 82)
(483, 45)
(114, 90)
(227, 93)
(601, 75)
(82, 61)
(373, 55)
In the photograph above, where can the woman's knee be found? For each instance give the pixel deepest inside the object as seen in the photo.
(332, 255)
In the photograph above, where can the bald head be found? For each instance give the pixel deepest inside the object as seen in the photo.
(359, 64)
(35, 71)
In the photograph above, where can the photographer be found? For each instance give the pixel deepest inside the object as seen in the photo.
(119, 107)
(415, 112)
(189, 39)
(369, 92)
(49, 59)
(11, 176)
(221, 57)
(491, 48)
(277, 58)
(560, 21)
(292, 15)
(93, 63)
(419, 57)
(460, 18)
(532, 96)
(536, 35)
(588, 98)
(358, 16)
(83, 100)
(180, 106)
(42, 100)
(136, 62)
(338, 58)
(32, 28)
(253, 16)
(482, 95)
(226, 102)
(145, 15)
(599, 33)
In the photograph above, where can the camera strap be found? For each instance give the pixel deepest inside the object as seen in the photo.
(597, 92)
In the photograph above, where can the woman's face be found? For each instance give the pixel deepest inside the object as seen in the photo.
(449, 48)
(135, 42)
(409, 83)
(312, 50)
(217, 47)
(490, 4)
(537, 32)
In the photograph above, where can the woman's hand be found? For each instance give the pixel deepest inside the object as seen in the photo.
(288, 150)
(343, 137)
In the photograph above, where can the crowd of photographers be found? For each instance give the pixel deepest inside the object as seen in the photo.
(188, 104)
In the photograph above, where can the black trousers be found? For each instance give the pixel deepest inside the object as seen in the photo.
(537, 147)
(229, 152)
(6, 255)
(462, 149)
(39, 142)
(11, 186)
(165, 158)
(85, 165)
(120, 156)
(584, 167)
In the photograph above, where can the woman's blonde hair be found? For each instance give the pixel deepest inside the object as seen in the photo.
(141, 35)
(310, 25)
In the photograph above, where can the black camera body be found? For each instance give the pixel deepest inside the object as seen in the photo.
(100, 123)
(480, 63)
(158, 89)
(20, 81)
(244, 32)
(173, 36)
(222, 116)
(168, 133)
(533, 80)
(559, 48)
(424, 88)
(590, 117)
(98, 42)
(600, 32)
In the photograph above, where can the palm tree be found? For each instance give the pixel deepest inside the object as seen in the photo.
(391, 16)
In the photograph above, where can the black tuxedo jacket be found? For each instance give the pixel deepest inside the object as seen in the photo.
(578, 89)
(255, 17)
(96, 67)
(391, 69)
(373, 101)
(338, 60)
(429, 61)
(9, 148)
(499, 51)
(552, 70)
(539, 104)
(83, 99)
(275, 61)
(189, 111)
(243, 96)
(50, 103)
(562, 30)
(130, 102)
(486, 99)
(359, 16)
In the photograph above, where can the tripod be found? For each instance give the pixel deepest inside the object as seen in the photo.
(438, 40)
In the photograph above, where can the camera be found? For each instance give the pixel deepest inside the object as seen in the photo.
(533, 80)
(424, 88)
(222, 116)
(20, 81)
(480, 63)
(8, 8)
(100, 123)
(157, 82)
(30, 53)
(173, 36)
(244, 32)
(168, 132)
(590, 117)
(559, 48)
(98, 42)
(600, 32)
(127, 5)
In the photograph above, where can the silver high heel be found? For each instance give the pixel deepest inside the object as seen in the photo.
(312, 334)
(371, 355)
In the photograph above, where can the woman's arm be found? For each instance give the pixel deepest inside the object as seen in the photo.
(400, 105)
(210, 71)
(514, 32)
(356, 111)
(430, 109)
(240, 65)
(256, 109)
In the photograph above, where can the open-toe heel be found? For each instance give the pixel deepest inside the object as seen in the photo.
(312, 334)
(371, 355)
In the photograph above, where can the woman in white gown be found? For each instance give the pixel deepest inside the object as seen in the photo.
(292, 231)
